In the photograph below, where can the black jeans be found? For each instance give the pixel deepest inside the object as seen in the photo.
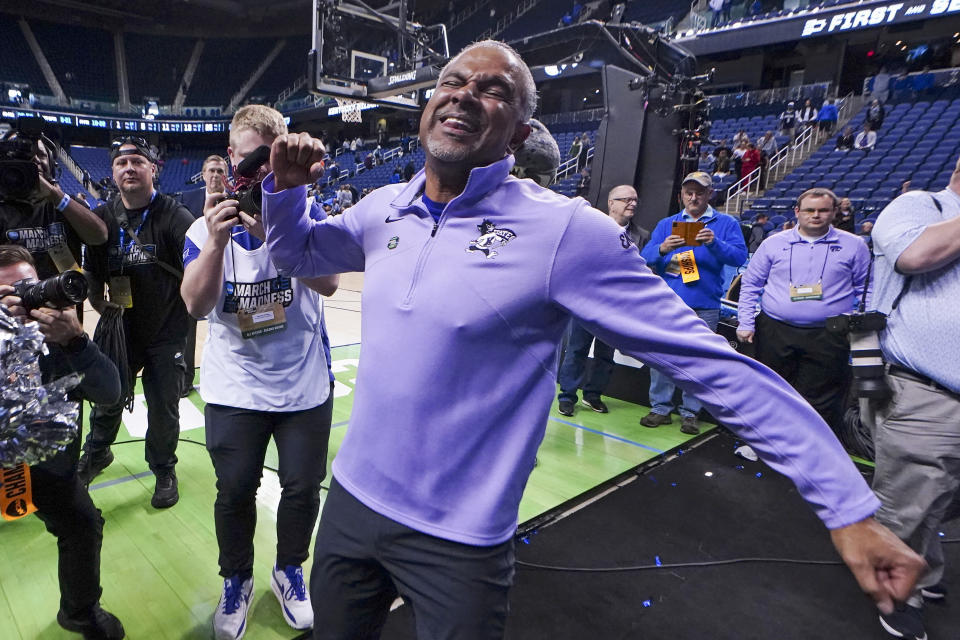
(67, 511)
(814, 361)
(189, 354)
(237, 441)
(363, 560)
(162, 366)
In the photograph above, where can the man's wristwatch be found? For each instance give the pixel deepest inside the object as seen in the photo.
(76, 344)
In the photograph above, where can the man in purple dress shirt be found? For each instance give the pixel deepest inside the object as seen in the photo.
(806, 274)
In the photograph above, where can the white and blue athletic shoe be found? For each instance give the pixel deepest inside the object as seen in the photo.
(287, 584)
(230, 620)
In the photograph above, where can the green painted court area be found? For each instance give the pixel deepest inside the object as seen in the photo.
(159, 568)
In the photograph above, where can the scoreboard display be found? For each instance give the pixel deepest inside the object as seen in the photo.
(127, 125)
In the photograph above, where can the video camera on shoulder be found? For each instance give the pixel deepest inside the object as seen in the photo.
(62, 291)
(19, 175)
(866, 358)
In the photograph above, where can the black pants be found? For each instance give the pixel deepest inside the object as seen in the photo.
(67, 511)
(363, 560)
(189, 354)
(814, 361)
(162, 366)
(237, 441)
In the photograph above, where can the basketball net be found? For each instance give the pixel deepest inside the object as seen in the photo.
(349, 109)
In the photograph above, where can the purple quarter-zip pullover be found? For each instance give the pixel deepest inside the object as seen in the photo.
(838, 261)
(461, 322)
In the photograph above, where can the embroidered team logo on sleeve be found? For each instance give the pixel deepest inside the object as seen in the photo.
(490, 239)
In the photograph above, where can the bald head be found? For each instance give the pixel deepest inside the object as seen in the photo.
(621, 203)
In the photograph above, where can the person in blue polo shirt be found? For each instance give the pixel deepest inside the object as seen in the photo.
(806, 274)
(696, 275)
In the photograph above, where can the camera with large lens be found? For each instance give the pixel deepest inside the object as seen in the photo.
(19, 175)
(866, 358)
(61, 291)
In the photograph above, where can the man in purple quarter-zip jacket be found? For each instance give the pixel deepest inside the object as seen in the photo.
(473, 275)
(806, 274)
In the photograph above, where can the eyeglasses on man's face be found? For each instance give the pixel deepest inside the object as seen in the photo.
(626, 200)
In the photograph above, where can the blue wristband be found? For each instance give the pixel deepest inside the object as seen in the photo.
(63, 203)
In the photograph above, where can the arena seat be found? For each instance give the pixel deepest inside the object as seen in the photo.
(17, 63)
(78, 77)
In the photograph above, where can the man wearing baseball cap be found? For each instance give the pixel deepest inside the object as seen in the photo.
(692, 266)
(142, 265)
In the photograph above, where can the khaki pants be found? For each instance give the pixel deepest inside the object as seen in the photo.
(918, 468)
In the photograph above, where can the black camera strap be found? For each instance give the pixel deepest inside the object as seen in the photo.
(124, 224)
(908, 279)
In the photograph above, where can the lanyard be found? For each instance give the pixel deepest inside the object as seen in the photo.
(822, 269)
(124, 246)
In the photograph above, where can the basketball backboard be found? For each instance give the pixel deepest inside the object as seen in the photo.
(373, 55)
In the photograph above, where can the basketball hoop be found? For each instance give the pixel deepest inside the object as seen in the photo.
(349, 109)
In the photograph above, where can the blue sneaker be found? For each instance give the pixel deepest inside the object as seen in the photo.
(288, 586)
(230, 620)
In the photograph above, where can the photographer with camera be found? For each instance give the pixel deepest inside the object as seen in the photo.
(264, 373)
(142, 263)
(917, 278)
(35, 213)
(806, 275)
(61, 500)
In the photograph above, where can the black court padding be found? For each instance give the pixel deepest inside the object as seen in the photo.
(677, 513)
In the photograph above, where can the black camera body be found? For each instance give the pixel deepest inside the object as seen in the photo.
(249, 190)
(857, 322)
(866, 358)
(19, 175)
(250, 198)
(61, 291)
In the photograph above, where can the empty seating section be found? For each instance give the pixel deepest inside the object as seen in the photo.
(289, 65)
(914, 144)
(180, 166)
(153, 75)
(96, 160)
(225, 64)
(70, 185)
(542, 17)
(755, 126)
(17, 63)
(82, 59)
(650, 11)
(470, 29)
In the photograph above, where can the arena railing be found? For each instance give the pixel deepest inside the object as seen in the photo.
(569, 166)
(781, 162)
(814, 90)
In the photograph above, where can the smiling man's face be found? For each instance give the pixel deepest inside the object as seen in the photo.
(475, 115)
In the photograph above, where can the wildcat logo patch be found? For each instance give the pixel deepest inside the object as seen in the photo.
(490, 239)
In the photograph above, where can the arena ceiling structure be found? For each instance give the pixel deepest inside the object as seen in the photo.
(200, 18)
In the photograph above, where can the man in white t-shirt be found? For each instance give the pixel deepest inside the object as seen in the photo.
(866, 140)
(262, 363)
